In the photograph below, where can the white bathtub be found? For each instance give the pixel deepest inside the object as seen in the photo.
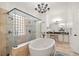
(42, 47)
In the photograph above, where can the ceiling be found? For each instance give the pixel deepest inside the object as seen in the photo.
(31, 5)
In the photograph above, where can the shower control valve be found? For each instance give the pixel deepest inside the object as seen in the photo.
(9, 32)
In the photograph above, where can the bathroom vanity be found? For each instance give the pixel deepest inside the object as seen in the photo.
(59, 36)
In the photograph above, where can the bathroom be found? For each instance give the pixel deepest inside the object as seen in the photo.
(27, 31)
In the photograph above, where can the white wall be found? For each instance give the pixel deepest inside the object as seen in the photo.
(74, 40)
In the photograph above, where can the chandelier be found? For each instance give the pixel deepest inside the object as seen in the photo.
(42, 8)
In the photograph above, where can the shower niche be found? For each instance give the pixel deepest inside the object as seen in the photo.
(21, 27)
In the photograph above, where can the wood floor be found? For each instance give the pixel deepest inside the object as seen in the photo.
(65, 48)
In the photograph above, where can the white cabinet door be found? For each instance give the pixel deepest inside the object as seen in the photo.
(66, 38)
(60, 38)
(63, 38)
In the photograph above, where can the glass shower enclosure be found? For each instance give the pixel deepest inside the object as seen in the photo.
(21, 27)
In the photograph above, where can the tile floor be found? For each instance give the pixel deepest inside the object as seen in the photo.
(65, 48)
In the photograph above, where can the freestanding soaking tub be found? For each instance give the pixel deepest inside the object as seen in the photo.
(42, 47)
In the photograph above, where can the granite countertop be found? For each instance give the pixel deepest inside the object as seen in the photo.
(66, 33)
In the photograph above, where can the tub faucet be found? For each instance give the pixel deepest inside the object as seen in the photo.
(44, 35)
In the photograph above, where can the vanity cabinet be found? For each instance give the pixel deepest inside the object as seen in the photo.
(59, 36)
(54, 36)
(63, 38)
